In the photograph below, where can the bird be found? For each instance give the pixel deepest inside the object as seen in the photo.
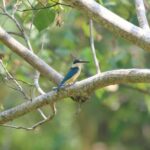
(72, 74)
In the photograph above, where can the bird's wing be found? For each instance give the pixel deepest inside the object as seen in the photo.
(70, 73)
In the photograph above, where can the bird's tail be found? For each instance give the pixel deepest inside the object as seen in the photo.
(58, 87)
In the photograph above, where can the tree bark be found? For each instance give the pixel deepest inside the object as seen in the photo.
(29, 57)
(84, 87)
(112, 22)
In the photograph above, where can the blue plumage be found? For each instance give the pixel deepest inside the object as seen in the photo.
(69, 75)
(72, 74)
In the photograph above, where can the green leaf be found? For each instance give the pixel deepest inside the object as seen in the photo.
(100, 1)
(43, 19)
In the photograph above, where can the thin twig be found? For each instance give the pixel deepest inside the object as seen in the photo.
(141, 14)
(30, 48)
(32, 127)
(14, 33)
(15, 81)
(18, 80)
(36, 80)
(4, 4)
(36, 83)
(39, 89)
(31, 25)
(15, 7)
(49, 118)
(82, 88)
(22, 91)
(37, 75)
(24, 82)
(93, 47)
(39, 110)
(30, 3)
(46, 7)
(12, 17)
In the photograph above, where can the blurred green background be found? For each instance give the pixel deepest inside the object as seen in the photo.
(114, 118)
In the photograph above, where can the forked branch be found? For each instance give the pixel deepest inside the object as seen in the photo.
(84, 87)
(141, 14)
(30, 57)
(112, 22)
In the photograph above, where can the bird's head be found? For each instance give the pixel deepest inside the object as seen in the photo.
(78, 62)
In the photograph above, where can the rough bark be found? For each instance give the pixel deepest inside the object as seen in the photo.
(30, 57)
(85, 87)
(112, 22)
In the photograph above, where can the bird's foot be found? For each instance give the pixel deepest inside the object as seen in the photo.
(57, 89)
(62, 87)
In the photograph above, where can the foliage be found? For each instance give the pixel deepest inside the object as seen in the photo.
(114, 118)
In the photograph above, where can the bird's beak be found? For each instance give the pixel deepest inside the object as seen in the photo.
(82, 61)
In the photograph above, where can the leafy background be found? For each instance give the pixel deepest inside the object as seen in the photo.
(114, 118)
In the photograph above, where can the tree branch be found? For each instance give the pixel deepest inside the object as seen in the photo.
(93, 47)
(49, 118)
(45, 7)
(32, 127)
(40, 91)
(9, 76)
(20, 28)
(141, 14)
(113, 22)
(12, 17)
(30, 57)
(14, 33)
(83, 88)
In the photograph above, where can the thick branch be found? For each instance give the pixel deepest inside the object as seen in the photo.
(31, 58)
(113, 22)
(85, 87)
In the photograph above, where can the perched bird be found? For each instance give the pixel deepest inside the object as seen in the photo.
(72, 74)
